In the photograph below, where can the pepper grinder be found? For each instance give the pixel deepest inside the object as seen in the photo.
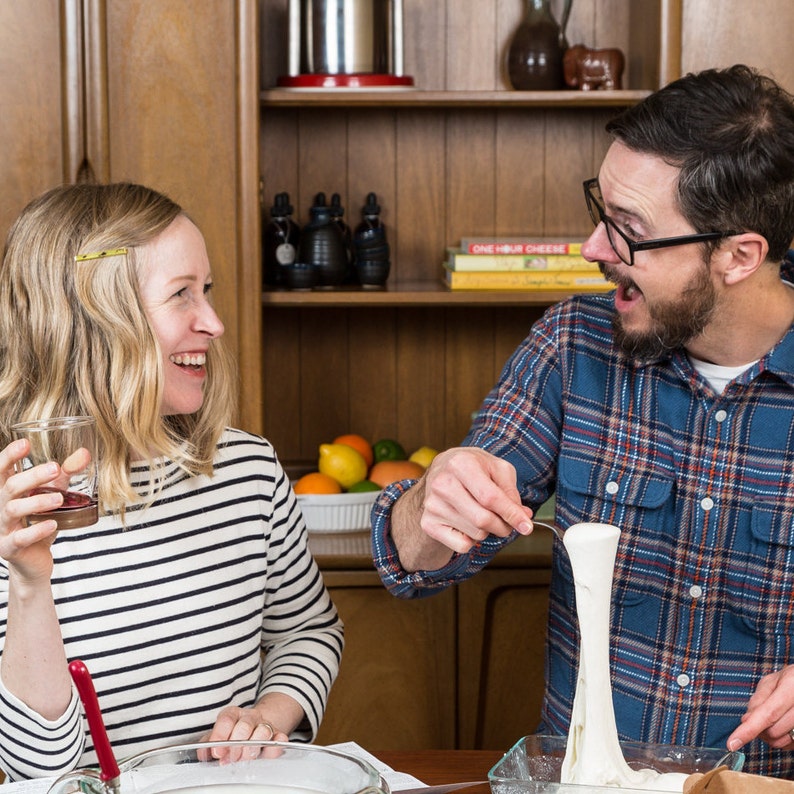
(322, 245)
(280, 241)
(371, 249)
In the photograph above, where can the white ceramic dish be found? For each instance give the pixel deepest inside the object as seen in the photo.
(344, 512)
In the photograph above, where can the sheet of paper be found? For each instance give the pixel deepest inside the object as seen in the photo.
(396, 780)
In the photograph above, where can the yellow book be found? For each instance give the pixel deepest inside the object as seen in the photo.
(573, 280)
(459, 261)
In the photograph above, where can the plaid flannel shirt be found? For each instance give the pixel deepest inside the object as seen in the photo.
(702, 487)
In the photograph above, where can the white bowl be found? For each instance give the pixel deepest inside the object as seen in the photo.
(344, 512)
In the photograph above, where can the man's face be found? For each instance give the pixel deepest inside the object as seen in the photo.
(668, 297)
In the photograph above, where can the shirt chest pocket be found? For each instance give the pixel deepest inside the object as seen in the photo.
(766, 569)
(639, 498)
(640, 503)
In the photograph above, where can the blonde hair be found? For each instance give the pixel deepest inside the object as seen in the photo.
(75, 339)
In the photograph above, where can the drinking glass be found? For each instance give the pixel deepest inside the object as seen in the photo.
(71, 442)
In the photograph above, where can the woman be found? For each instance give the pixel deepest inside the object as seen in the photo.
(194, 600)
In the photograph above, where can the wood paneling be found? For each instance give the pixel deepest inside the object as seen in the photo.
(178, 71)
(396, 684)
(733, 31)
(33, 121)
(463, 668)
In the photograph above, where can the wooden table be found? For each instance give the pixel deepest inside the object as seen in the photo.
(443, 766)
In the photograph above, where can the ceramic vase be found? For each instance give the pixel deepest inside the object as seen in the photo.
(534, 55)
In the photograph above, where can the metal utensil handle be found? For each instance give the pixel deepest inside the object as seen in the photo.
(443, 788)
(558, 531)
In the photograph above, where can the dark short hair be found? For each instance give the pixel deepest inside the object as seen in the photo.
(731, 133)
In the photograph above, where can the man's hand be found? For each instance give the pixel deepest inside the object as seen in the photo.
(465, 495)
(770, 712)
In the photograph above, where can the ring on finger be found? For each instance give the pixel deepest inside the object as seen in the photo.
(265, 724)
(791, 734)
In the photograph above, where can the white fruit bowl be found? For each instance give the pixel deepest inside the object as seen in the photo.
(344, 512)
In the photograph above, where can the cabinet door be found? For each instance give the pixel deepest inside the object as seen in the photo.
(32, 123)
(502, 635)
(181, 114)
(396, 686)
(164, 94)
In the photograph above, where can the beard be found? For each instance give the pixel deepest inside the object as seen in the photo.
(673, 323)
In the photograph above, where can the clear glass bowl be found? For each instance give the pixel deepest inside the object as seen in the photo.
(533, 764)
(265, 768)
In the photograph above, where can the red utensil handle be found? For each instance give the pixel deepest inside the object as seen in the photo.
(109, 769)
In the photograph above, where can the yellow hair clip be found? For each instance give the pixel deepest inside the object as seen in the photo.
(100, 254)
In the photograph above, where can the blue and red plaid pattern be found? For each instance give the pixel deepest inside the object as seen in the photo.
(702, 487)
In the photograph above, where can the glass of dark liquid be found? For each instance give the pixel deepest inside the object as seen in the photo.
(71, 442)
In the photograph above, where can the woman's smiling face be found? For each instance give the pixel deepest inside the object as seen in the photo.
(175, 280)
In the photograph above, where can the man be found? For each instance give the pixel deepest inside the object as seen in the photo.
(665, 408)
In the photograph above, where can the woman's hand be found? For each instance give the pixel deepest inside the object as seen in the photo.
(270, 720)
(26, 545)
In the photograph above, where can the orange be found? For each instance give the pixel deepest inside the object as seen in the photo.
(388, 471)
(315, 482)
(359, 443)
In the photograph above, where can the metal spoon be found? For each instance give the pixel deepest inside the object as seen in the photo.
(558, 531)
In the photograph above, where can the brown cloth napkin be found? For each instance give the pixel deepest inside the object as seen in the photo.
(723, 781)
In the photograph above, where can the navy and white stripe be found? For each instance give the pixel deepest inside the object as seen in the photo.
(170, 614)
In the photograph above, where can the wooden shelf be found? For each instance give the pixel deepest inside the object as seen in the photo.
(415, 293)
(403, 97)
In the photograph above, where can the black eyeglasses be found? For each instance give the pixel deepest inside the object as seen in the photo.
(622, 245)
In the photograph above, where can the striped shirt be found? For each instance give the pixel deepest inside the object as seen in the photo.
(173, 613)
(701, 485)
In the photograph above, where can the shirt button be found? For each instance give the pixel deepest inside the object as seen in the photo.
(696, 591)
(720, 416)
(612, 487)
(683, 680)
(707, 503)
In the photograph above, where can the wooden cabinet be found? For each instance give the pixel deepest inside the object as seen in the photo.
(34, 84)
(463, 668)
(460, 155)
(159, 93)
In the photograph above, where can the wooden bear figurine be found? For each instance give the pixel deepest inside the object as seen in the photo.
(588, 69)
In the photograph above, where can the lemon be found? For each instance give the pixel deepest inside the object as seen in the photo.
(345, 464)
(423, 456)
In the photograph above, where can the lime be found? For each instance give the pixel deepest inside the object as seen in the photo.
(388, 449)
(363, 487)
(343, 463)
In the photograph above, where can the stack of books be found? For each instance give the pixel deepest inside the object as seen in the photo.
(502, 263)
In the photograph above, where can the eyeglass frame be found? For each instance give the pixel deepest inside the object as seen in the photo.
(600, 216)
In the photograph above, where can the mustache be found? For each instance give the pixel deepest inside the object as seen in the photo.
(616, 275)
